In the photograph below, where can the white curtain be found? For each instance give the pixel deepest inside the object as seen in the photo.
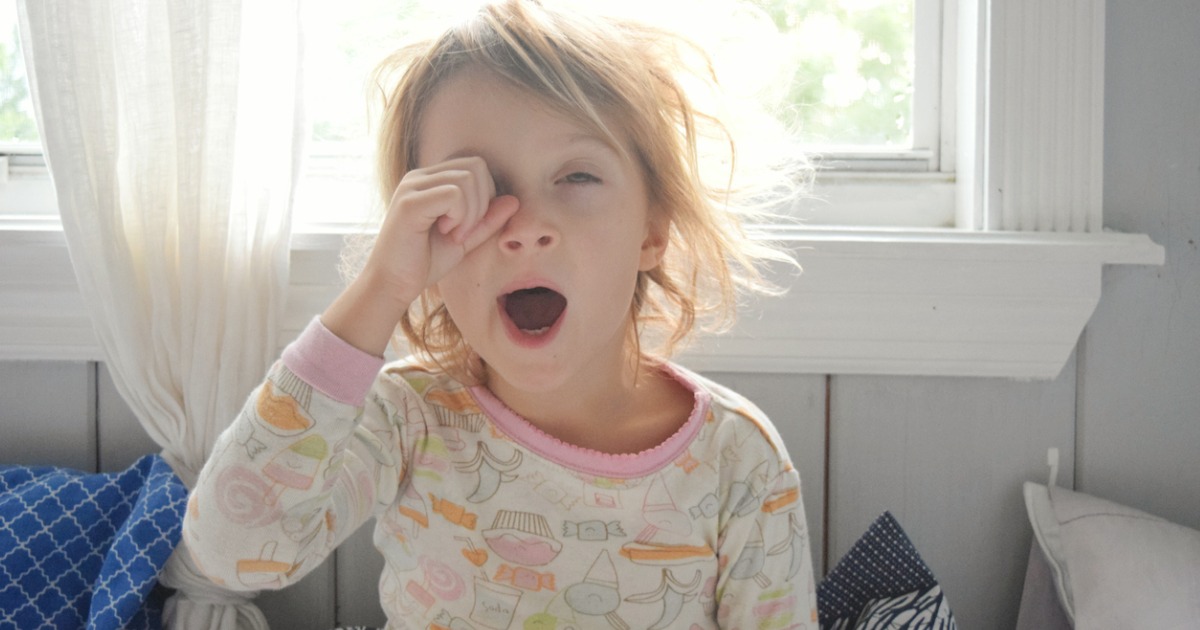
(172, 130)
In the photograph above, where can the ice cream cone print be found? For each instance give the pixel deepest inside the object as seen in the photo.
(660, 513)
(598, 594)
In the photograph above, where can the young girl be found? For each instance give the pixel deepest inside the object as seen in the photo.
(538, 466)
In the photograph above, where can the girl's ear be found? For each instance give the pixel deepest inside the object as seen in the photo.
(655, 244)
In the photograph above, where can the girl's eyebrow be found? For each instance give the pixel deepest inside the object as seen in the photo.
(587, 138)
(571, 140)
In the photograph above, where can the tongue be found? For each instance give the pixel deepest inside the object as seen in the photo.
(534, 309)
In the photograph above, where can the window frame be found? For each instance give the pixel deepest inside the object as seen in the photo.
(1005, 293)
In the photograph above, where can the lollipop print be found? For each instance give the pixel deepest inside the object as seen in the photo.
(441, 580)
(244, 498)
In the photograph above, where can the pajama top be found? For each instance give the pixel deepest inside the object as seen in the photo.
(484, 521)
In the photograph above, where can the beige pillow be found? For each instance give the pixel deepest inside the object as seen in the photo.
(1113, 566)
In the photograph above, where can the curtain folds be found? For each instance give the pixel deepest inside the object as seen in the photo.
(173, 133)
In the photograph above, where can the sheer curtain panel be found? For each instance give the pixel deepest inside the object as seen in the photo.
(173, 131)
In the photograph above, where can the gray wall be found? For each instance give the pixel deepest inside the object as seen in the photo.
(1138, 430)
(946, 456)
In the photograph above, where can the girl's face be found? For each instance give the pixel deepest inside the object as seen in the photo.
(547, 300)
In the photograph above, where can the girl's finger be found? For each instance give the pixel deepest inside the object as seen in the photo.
(499, 211)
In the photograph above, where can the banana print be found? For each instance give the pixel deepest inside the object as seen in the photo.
(492, 472)
(673, 594)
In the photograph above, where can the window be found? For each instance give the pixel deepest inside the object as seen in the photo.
(847, 75)
(859, 80)
(989, 264)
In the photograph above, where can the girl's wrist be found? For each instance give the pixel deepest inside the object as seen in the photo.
(365, 315)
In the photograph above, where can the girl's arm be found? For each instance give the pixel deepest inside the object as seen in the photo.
(766, 577)
(302, 467)
(311, 454)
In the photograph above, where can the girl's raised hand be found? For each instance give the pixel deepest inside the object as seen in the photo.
(436, 217)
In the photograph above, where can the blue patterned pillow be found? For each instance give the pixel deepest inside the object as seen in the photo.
(882, 576)
(85, 550)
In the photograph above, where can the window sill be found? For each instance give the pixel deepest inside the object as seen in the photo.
(870, 301)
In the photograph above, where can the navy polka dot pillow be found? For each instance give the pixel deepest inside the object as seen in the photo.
(883, 583)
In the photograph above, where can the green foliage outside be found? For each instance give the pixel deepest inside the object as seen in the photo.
(850, 64)
(852, 77)
(850, 61)
(16, 119)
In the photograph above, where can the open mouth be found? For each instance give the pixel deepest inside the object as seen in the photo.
(534, 311)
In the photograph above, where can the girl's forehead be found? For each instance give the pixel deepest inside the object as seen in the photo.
(473, 98)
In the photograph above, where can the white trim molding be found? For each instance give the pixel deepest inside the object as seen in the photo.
(916, 302)
(928, 302)
(1031, 106)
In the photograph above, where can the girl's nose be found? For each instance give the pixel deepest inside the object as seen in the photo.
(527, 232)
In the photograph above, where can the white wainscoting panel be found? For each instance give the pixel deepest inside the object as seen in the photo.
(47, 414)
(122, 438)
(1139, 416)
(947, 457)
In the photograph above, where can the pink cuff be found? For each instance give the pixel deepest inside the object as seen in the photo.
(336, 368)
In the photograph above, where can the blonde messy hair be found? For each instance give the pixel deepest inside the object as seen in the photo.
(628, 83)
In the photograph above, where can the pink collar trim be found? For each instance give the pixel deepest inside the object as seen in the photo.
(592, 462)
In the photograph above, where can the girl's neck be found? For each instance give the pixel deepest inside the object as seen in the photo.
(629, 412)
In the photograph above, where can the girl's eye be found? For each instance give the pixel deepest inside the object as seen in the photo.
(581, 178)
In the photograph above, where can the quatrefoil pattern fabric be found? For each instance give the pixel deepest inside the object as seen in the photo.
(85, 550)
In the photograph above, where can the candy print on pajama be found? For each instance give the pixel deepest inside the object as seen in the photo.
(593, 531)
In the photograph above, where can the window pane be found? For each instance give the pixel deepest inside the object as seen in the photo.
(837, 72)
(17, 124)
(852, 70)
